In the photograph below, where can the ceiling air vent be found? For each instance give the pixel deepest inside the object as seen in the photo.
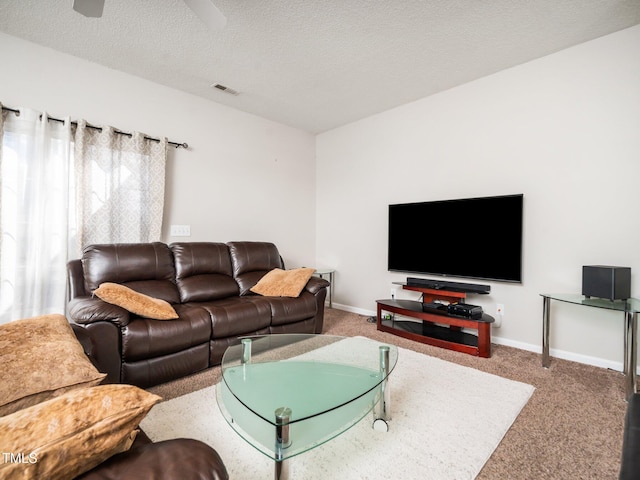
(224, 88)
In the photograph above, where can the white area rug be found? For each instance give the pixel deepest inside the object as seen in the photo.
(447, 421)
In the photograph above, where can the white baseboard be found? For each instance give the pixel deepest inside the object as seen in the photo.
(563, 354)
(359, 311)
(529, 347)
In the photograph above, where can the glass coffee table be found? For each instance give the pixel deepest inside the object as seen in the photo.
(286, 394)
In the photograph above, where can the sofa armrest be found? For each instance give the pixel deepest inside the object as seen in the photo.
(101, 343)
(178, 458)
(85, 310)
(315, 284)
(318, 288)
(75, 279)
(97, 325)
(630, 467)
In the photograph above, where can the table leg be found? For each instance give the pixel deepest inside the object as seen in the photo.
(382, 411)
(546, 301)
(283, 416)
(626, 360)
(246, 351)
(631, 358)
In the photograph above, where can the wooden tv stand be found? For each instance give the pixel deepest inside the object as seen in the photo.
(436, 327)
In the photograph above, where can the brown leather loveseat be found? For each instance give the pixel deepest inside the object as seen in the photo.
(208, 284)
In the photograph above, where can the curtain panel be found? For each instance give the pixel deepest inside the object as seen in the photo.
(119, 186)
(64, 186)
(34, 221)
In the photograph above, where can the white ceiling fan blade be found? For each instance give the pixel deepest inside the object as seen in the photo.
(89, 8)
(208, 13)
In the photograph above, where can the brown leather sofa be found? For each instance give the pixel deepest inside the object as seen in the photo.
(207, 283)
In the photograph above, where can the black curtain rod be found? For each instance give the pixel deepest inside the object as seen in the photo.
(175, 144)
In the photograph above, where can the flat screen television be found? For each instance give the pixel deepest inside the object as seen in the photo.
(470, 237)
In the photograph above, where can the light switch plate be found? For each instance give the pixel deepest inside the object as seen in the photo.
(180, 230)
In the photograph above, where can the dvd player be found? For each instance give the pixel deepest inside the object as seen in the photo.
(465, 310)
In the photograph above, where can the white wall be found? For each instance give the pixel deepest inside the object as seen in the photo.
(563, 130)
(244, 177)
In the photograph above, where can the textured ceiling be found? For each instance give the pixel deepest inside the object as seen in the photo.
(318, 64)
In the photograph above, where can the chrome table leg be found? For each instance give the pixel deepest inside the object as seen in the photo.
(382, 411)
(631, 351)
(546, 302)
(283, 416)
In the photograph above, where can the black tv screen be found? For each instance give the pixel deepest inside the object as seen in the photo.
(472, 237)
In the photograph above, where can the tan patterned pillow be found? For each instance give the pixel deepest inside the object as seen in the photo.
(283, 283)
(135, 302)
(69, 435)
(41, 358)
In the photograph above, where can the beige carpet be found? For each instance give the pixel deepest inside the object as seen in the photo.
(571, 428)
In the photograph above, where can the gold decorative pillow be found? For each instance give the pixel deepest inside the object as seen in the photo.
(135, 302)
(41, 358)
(283, 283)
(69, 435)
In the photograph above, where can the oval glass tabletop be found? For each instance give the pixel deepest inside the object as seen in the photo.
(310, 388)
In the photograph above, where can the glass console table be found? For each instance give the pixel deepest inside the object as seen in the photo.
(629, 307)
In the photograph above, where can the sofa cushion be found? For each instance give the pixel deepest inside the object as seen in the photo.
(283, 283)
(251, 261)
(147, 268)
(135, 302)
(69, 435)
(143, 338)
(238, 316)
(41, 358)
(286, 310)
(203, 271)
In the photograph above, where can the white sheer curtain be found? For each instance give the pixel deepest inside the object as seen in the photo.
(120, 185)
(34, 214)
